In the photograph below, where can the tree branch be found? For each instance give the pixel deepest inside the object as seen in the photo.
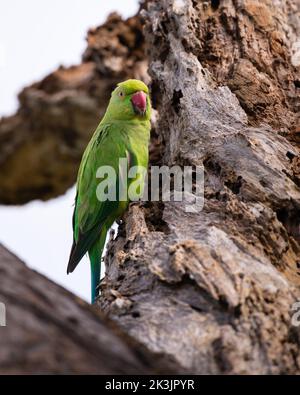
(41, 145)
(49, 330)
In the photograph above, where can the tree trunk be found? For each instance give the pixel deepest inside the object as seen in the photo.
(215, 289)
(49, 330)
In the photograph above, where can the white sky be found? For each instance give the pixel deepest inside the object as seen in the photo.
(35, 38)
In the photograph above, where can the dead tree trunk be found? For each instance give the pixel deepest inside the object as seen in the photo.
(215, 288)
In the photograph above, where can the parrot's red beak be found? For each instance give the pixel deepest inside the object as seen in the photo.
(139, 102)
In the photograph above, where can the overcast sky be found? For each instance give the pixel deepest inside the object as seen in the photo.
(35, 38)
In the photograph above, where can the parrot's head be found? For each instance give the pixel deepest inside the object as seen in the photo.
(130, 100)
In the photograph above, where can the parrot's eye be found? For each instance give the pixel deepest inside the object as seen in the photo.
(121, 94)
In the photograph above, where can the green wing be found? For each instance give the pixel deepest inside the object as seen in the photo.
(105, 148)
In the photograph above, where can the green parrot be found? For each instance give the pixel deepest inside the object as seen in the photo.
(123, 133)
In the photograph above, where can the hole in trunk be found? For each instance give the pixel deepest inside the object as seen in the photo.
(297, 83)
(153, 217)
(290, 155)
(215, 4)
(135, 314)
(235, 186)
(177, 95)
(290, 219)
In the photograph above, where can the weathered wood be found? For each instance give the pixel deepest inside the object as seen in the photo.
(215, 288)
(49, 330)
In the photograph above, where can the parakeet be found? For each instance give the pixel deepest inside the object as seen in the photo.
(123, 132)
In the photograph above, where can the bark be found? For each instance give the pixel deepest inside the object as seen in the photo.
(42, 144)
(215, 288)
(50, 330)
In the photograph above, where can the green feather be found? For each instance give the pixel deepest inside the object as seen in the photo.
(121, 134)
(95, 254)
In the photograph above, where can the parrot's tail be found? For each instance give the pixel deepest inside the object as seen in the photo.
(95, 255)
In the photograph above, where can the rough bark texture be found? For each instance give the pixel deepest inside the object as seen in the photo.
(41, 145)
(49, 330)
(215, 288)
